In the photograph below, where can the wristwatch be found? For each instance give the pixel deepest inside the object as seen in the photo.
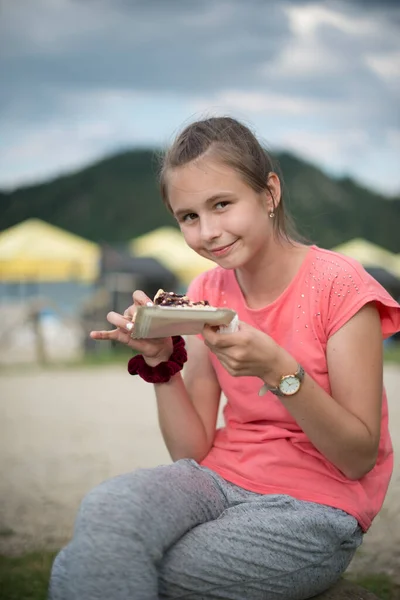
(288, 385)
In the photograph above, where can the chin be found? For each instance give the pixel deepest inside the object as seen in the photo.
(230, 263)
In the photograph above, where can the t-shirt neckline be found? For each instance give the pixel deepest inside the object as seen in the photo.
(285, 292)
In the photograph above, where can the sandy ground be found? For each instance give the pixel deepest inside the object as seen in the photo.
(62, 432)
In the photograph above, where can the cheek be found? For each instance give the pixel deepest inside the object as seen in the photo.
(190, 236)
(244, 222)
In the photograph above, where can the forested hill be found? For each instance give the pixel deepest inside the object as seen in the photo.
(117, 199)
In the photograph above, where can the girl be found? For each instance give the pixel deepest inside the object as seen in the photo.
(275, 503)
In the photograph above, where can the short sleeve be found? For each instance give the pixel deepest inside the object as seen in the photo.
(350, 288)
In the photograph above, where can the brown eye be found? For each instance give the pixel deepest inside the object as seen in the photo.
(189, 217)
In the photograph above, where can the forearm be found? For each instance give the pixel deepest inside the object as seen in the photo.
(338, 434)
(182, 429)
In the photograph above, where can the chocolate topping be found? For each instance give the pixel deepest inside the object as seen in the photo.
(171, 299)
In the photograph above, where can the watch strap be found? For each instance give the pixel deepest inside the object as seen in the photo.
(276, 389)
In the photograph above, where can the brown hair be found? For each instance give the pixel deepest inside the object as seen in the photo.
(235, 146)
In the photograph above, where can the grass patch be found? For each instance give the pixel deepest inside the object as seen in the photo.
(381, 585)
(27, 578)
(6, 532)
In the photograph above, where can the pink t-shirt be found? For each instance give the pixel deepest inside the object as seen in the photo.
(261, 447)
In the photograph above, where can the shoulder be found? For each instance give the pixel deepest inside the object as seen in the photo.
(344, 276)
(344, 287)
(330, 264)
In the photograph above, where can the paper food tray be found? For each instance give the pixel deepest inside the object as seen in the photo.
(165, 321)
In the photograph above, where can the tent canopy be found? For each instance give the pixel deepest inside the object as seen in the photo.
(371, 255)
(168, 246)
(37, 251)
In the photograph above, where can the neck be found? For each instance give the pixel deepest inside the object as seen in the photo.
(269, 273)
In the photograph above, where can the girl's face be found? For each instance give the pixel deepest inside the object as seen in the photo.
(221, 217)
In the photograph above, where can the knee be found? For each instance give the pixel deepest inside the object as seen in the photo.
(117, 502)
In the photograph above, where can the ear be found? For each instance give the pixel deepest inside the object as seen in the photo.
(274, 192)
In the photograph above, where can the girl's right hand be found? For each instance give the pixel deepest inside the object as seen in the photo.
(154, 351)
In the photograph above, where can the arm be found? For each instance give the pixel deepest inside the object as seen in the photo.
(344, 427)
(187, 411)
(188, 406)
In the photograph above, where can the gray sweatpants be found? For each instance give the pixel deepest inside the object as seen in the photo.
(181, 531)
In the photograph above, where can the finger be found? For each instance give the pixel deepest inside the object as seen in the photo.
(130, 312)
(226, 364)
(232, 367)
(118, 335)
(118, 320)
(219, 340)
(141, 299)
(104, 335)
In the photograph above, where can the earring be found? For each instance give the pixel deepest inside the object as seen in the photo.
(271, 215)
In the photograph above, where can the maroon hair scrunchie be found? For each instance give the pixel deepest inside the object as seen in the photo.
(164, 370)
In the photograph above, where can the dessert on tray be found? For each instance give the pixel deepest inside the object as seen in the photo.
(177, 314)
(171, 299)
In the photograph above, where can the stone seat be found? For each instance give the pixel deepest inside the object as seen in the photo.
(346, 590)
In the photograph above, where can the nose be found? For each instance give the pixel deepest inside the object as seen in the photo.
(209, 229)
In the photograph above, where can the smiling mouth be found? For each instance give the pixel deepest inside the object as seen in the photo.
(222, 249)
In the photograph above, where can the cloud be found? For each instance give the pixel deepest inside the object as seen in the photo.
(325, 68)
(190, 48)
(257, 102)
(146, 49)
(335, 150)
(91, 125)
(386, 66)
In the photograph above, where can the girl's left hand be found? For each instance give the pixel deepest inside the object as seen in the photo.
(247, 352)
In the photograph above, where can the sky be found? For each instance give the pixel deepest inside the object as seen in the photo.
(81, 79)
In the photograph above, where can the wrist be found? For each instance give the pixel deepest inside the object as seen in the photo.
(282, 364)
(164, 370)
(154, 361)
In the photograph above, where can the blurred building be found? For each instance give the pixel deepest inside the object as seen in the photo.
(119, 276)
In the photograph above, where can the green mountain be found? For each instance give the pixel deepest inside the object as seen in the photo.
(117, 199)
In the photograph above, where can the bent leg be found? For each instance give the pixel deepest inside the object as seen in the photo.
(268, 547)
(124, 527)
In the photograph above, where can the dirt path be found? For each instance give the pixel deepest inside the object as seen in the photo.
(63, 432)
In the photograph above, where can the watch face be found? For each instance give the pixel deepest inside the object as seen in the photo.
(289, 385)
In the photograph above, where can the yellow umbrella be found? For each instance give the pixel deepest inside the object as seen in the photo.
(371, 255)
(36, 251)
(168, 246)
